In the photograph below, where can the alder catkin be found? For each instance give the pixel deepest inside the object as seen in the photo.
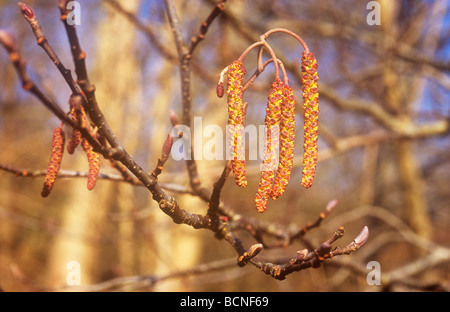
(75, 138)
(54, 164)
(94, 163)
(271, 148)
(236, 116)
(287, 138)
(311, 117)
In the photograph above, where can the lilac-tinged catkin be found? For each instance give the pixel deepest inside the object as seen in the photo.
(54, 164)
(311, 117)
(236, 116)
(287, 138)
(270, 162)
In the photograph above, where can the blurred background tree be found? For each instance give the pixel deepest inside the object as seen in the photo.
(384, 146)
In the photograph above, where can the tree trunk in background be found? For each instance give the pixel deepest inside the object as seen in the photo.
(416, 210)
(398, 101)
(117, 75)
(369, 174)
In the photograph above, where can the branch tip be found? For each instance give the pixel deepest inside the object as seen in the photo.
(301, 254)
(26, 10)
(362, 237)
(254, 250)
(173, 118)
(8, 40)
(167, 148)
(331, 205)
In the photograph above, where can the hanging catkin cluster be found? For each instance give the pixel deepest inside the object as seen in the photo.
(58, 142)
(278, 155)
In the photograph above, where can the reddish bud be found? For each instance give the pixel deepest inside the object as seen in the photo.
(331, 205)
(301, 254)
(362, 237)
(26, 11)
(220, 89)
(167, 147)
(173, 118)
(254, 250)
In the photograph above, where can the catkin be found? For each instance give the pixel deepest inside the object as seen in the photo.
(311, 117)
(54, 164)
(287, 138)
(94, 163)
(75, 138)
(236, 116)
(270, 162)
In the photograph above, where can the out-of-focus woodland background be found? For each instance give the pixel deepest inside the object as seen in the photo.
(384, 145)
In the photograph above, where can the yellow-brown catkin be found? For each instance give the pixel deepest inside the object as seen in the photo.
(287, 138)
(311, 117)
(54, 164)
(271, 149)
(94, 163)
(75, 138)
(236, 116)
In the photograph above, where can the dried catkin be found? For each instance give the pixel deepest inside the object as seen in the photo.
(54, 164)
(311, 117)
(94, 163)
(287, 138)
(271, 148)
(236, 116)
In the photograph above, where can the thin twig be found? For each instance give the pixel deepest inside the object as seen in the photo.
(205, 25)
(89, 102)
(126, 282)
(185, 75)
(214, 202)
(307, 259)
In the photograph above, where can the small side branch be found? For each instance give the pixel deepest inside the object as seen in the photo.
(214, 202)
(307, 259)
(79, 56)
(205, 25)
(42, 41)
